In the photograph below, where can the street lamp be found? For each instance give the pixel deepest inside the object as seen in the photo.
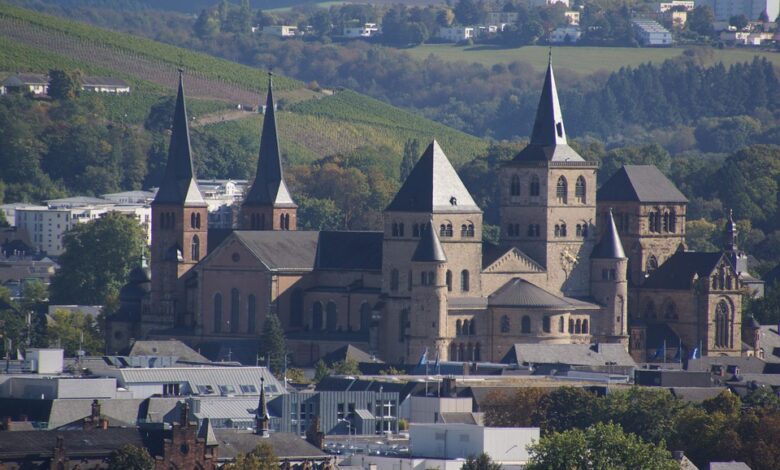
(349, 432)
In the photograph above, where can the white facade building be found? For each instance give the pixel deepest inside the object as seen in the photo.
(687, 5)
(544, 3)
(282, 31)
(429, 409)
(651, 33)
(502, 17)
(752, 9)
(366, 31)
(567, 35)
(456, 33)
(507, 446)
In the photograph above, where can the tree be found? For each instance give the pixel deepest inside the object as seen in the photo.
(481, 462)
(467, 12)
(346, 367)
(63, 85)
(130, 457)
(748, 183)
(98, 257)
(318, 214)
(207, 24)
(297, 376)
(74, 330)
(508, 409)
(566, 408)
(272, 344)
(261, 458)
(320, 371)
(700, 235)
(411, 155)
(601, 446)
(739, 21)
(700, 20)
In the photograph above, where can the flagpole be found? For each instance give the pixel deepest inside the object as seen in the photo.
(664, 351)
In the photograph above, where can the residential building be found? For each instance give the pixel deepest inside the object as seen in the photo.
(566, 35)
(544, 3)
(506, 446)
(104, 85)
(35, 83)
(502, 17)
(686, 5)
(651, 33)
(130, 197)
(456, 33)
(366, 31)
(282, 31)
(572, 17)
(751, 9)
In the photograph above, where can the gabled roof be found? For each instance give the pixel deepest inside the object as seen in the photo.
(429, 248)
(609, 247)
(639, 183)
(233, 442)
(598, 354)
(178, 185)
(521, 293)
(104, 81)
(269, 188)
(349, 352)
(548, 138)
(494, 255)
(341, 250)
(433, 186)
(97, 442)
(281, 250)
(679, 270)
(20, 79)
(170, 347)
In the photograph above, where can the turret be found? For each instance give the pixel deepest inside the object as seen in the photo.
(268, 204)
(429, 296)
(609, 285)
(262, 419)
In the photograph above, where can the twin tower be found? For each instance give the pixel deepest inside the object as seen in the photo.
(180, 215)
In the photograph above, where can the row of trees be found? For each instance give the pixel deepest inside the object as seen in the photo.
(576, 424)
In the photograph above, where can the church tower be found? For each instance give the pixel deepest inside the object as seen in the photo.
(609, 285)
(179, 227)
(428, 320)
(268, 204)
(548, 199)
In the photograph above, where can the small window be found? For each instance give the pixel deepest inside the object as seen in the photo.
(505, 325)
(248, 389)
(534, 185)
(546, 324)
(205, 389)
(227, 389)
(561, 190)
(579, 190)
(464, 281)
(525, 324)
(514, 189)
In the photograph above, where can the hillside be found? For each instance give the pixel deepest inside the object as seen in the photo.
(315, 124)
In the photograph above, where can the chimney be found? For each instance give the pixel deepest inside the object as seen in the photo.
(95, 411)
(103, 423)
(185, 413)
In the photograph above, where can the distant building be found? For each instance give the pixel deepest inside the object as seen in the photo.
(752, 9)
(572, 17)
(129, 197)
(686, 5)
(456, 33)
(502, 17)
(366, 31)
(651, 33)
(281, 31)
(104, 85)
(544, 3)
(35, 83)
(567, 35)
(746, 38)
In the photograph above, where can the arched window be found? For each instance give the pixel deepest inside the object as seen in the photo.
(651, 265)
(585, 230)
(195, 248)
(401, 229)
(287, 221)
(477, 352)
(561, 326)
(331, 316)
(470, 230)
(449, 280)
(470, 352)
(473, 327)
(534, 185)
(296, 308)
(192, 220)
(316, 316)
(546, 324)
(464, 280)
(651, 222)
(416, 230)
(561, 191)
(722, 325)
(464, 330)
(578, 327)
(281, 221)
(462, 352)
(505, 324)
(464, 231)
(217, 313)
(585, 326)
(453, 352)
(514, 189)
(578, 230)
(673, 221)
(445, 229)
(666, 222)
(650, 310)
(670, 313)
(234, 310)
(251, 313)
(525, 324)
(571, 326)
(394, 280)
(458, 328)
(579, 190)
(395, 229)
(557, 230)
(442, 230)
(365, 316)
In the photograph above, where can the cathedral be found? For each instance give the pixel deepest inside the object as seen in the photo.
(574, 264)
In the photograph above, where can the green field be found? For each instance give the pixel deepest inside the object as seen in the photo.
(584, 60)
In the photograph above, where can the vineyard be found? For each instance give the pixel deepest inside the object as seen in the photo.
(311, 124)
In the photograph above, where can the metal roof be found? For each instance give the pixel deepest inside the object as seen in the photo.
(235, 408)
(521, 293)
(213, 376)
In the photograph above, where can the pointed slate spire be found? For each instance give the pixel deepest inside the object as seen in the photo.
(609, 247)
(429, 249)
(178, 185)
(730, 233)
(548, 138)
(269, 188)
(261, 414)
(433, 186)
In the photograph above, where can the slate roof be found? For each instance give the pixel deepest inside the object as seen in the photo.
(770, 342)
(20, 79)
(679, 270)
(171, 347)
(572, 354)
(211, 375)
(548, 138)
(122, 412)
(747, 364)
(286, 445)
(729, 466)
(178, 185)
(344, 250)
(269, 188)
(521, 293)
(429, 248)
(610, 246)
(104, 81)
(217, 236)
(640, 183)
(696, 394)
(349, 352)
(433, 186)
(281, 249)
(98, 442)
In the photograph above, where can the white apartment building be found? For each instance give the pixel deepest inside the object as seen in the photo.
(687, 5)
(752, 9)
(544, 3)
(456, 33)
(567, 35)
(281, 31)
(572, 17)
(651, 33)
(366, 31)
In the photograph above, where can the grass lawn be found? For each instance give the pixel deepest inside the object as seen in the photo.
(585, 60)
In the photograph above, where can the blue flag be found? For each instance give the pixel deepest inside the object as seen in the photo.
(423, 358)
(437, 364)
(660, 352)
(695, 354)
